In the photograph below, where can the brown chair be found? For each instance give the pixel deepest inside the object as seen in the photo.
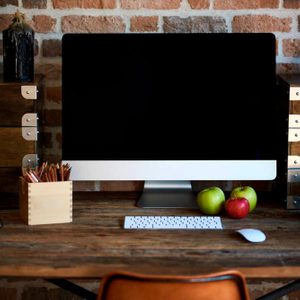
(227, 285)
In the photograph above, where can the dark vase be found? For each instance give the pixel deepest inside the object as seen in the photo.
(18, 51)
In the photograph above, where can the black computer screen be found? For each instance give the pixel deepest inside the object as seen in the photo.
(169, 96)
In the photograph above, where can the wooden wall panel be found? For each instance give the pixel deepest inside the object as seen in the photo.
(294, 147)
(13, 147)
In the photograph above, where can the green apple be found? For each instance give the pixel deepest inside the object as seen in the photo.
(211, 200)
(246, 192)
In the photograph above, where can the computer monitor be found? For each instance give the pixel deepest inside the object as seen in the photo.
(171, 108)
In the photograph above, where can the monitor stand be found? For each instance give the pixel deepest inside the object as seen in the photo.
(167, 194)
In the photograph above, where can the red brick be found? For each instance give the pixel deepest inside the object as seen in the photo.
(51, 48)
(258, 288)
(294, 295)
(245, 4)
(92, 24)
(86, 186)
(150, 4)
(288, 68)
(53, 158)
(8, 2)
(51, 117)
(54, 94)
(58, 139)
(124, 186)
(35, 3)
(30, 293)
(5, 21)
(51, 71)
(62, 4)
(261, 23)
(194, 24)
(291, 4)
(142, 24)
(46, 139)
(8, 293)
(291, 47)
(199, 4)
(43, 24)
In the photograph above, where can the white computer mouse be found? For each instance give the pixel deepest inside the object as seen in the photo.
(252, 235)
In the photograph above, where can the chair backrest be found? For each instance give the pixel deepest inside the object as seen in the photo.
(227, 285)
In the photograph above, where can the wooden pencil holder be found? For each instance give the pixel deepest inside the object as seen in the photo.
(45, 202)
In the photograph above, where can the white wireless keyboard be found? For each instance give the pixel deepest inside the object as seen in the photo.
(172, 222)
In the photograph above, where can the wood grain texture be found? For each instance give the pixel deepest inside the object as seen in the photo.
(288, 81)
(13, 105)
(294, 80)
(45, 202)
(95, 243)
(14, 147)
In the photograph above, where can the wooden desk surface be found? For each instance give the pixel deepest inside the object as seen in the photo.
(96, 243)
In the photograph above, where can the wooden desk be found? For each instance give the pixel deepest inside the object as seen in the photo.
(96, 243)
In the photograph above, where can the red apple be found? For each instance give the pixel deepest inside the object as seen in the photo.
(247, 192)
(237, 207)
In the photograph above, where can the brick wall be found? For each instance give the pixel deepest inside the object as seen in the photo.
(52, 18)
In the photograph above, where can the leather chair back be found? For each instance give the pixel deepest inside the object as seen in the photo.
(228, 285)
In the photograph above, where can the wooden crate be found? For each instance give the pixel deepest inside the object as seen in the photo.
(291, 84)
(20, 103)
(45, 202)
